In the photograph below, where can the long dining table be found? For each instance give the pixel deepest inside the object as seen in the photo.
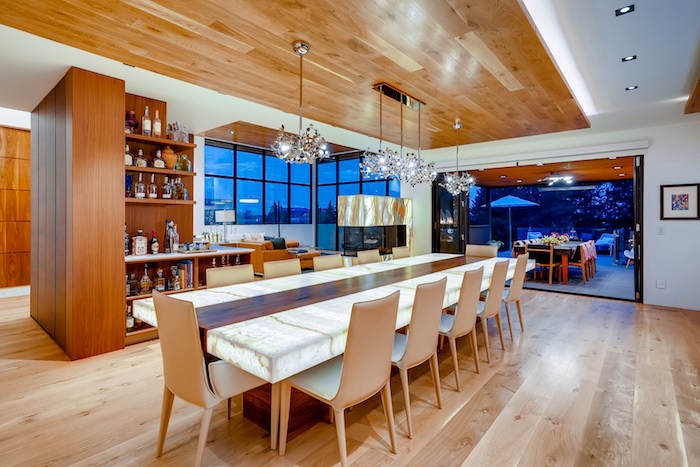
(279, 327)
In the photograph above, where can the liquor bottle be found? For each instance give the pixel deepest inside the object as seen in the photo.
(166, 190)
(140, 188)
(177, 194)
(146, 124)
(156, 125)
(133, 285)
(130, 322)
(140, 160)
(174, 278)
(155, 246)
(128, 157)
(182, 190)
(145, 285)
(158, 161)
(175, 239)
(128, 287)
(153, 188)
(126, 242)
(139, 244)
(160, 280)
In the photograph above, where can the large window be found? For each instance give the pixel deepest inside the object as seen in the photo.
(339, 177)
(260, 187)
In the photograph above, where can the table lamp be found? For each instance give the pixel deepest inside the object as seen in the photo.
(225, 216)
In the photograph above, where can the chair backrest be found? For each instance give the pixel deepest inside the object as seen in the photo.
(230, 275)
(516, 284)
(368, 256)
(481, 251)
(591, 249)
(324, 262)
(184, 367)
(367, 359)
(495, 294)
(425, 323)
(468, 303)
(542, 254)
(399, 252)
(281, 268)
(534, 235)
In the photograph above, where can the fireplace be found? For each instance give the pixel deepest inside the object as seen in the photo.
(381, 237)
(374, 222)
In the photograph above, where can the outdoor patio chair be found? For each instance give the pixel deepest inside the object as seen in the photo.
(629, 254)
(544, 258)
(605, 242)
(534, 235)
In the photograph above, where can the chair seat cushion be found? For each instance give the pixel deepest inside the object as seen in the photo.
(400, 341)
(322, 381)
(446, 323)
(228, 380)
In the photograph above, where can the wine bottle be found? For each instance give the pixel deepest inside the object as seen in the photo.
(146, 124)
(156, 126)
(154, 243)
(128, 157)
(140, 188)
(152, 188)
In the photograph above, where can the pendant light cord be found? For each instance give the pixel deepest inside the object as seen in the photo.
(301, 87)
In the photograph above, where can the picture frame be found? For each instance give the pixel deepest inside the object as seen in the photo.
(680, 202)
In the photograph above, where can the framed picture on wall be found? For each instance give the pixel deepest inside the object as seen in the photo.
(680, 202)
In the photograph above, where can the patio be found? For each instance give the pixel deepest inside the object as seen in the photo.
(610, 281)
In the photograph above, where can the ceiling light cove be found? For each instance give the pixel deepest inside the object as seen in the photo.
(624, 10)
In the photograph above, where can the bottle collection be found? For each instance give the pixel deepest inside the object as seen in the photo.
(159, 282)
(140, 245)
(160, 159)
(172, 188)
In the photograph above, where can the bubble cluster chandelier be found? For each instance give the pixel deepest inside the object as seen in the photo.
(453, 182)
(389, 164)
(308, 145)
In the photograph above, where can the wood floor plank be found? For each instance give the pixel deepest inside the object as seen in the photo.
(590, 382)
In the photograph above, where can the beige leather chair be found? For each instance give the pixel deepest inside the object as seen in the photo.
(399, 252)
(230, 275)
(492, 306)
(420, 342)
(282, 268)
(463, 321)
(368, 256)
(513, 293)
(354, 377)
(481, 251)
(185, 371)
(323, 263)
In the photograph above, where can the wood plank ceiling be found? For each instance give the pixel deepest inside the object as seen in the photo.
(479, 60)
(588, 171)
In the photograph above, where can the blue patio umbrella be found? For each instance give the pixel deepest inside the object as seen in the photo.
(509, 202)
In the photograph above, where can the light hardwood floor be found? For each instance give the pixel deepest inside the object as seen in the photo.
(590, 382)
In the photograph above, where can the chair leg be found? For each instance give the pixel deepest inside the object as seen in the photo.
(499, 324)
(168, 398)
(442, 342)
(203, 432)
(389, 413)
(331, 414)
(510, 324)
(475, 348)
(550, 274)
(435, 372)
(275, 414)
(520, 315)
(340, 433)
(228, 408)
(406, 400)
(285, 396)
(485, 327)
(455, 363)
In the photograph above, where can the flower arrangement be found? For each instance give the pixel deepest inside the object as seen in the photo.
(555, 239)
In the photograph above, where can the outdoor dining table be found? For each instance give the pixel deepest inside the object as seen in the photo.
(564, 252)
(280, 327)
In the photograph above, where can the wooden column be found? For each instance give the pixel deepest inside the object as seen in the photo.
(77, 179)
(14, 207)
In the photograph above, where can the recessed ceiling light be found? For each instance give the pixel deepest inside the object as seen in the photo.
(612, 157)
(540, 164)
(233, 132)
(624, 10)
(481, 170)
(503, 176)
(629, 58)
(519, 181)
(621, 175)
(631, 88)
(617, 167)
